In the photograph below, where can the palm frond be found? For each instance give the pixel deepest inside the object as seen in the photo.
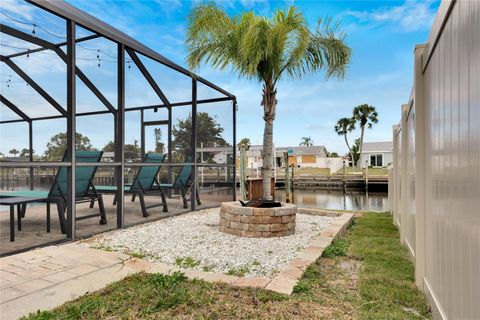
(265, 48)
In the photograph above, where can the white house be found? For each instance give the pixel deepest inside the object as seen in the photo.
(218, 155)
(376, 154)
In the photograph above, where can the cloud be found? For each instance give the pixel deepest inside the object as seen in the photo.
(169, 5)
(19, 7)
(410, 16)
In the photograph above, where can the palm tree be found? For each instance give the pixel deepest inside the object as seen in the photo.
(265, 49)
(306, 141)
(367, 116)
(244, 141)
(14, 152)
(343, 127)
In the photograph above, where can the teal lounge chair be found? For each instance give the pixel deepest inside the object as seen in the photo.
(145, 183)
(84, 189)
(183, 182)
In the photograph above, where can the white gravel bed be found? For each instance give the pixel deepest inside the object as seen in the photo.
(194, 241)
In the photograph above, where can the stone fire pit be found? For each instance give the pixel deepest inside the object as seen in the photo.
(257, 222)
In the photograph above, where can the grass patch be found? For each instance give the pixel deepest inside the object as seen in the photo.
(386, 283)
(358, 171)
(208, 268)
(238, 272)
(138, 255)
(337, 248)
(365, 275)
(187, 262)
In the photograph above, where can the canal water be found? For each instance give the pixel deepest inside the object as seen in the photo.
(332, 199)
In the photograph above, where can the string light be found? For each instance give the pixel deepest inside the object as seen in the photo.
(10, 80)
(35, 26)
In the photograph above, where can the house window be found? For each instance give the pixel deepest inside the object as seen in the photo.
(376, 160)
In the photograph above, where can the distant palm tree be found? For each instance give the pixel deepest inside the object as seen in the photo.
(342, 128)
(245, 142)
(266, 49)
(306, 141)
(14, 152)
(367, 116)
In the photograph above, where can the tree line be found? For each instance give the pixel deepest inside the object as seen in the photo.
(209, 134)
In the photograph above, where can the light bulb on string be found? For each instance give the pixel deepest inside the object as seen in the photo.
(33, 31)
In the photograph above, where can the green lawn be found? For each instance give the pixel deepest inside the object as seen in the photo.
(311, 171)
(371, 171)
(365, 275)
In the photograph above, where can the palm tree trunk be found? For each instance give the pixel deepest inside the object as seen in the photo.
(267, 160)
(269, 103)
(349, 149)
(361, 143)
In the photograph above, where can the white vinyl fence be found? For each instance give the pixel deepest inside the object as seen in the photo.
(435, 187)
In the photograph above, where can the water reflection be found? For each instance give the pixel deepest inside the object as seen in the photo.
(332, 199)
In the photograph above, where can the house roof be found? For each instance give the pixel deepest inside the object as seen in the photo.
(380, 146)
(303, 150)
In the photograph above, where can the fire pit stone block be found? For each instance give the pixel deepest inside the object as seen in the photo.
(257, 222)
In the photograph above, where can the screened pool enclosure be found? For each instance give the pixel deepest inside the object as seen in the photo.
(69, 76)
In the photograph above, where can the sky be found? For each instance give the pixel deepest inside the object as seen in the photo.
(382, 35)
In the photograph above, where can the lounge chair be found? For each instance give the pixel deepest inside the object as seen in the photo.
(145, 183)
(84, 189)
(183, 182)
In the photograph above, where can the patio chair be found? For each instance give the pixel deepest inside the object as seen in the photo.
(84, 189)
(183, 182)
(145, 183)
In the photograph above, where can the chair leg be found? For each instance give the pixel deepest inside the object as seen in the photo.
(24, 209)
(115, 200)
(92, 203)
(164, 201)
(142, 205)
(19, 216)
(133, 197)
(103, 216)
(61, 216)
(184, 197)
(197, 196)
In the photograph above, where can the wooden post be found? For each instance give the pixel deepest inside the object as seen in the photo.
(287, 178)
(243, 173)
(366, 176)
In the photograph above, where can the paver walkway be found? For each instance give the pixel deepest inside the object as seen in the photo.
(47, 277)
